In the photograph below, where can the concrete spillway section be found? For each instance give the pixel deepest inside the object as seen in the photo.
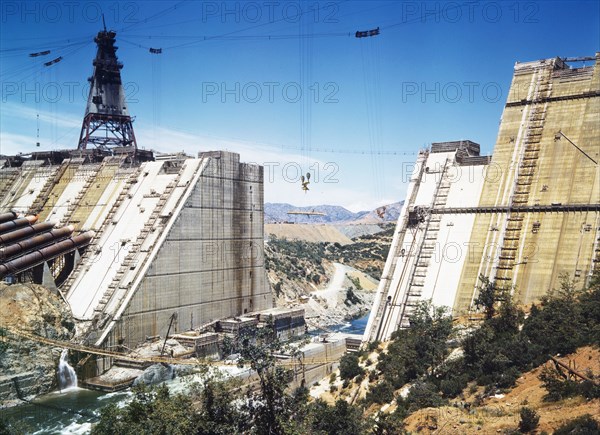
(428, 250)
(523, 219)
(184, 239)
(178, 235)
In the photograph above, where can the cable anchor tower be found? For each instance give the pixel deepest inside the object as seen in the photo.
(107, 125)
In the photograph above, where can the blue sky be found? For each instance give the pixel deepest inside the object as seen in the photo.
(285, 83)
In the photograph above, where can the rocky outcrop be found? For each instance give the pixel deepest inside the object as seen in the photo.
(29, 368)
(156, 374)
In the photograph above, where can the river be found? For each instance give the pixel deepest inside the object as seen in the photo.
(73, 411)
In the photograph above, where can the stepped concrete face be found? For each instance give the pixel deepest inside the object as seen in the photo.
(179, 236)
(533, 210)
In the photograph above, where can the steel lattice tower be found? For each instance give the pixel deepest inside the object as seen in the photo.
(107, 124)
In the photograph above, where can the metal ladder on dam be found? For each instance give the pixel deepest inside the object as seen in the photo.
(376, 325)
(426, 250)
(8, 181)
(509, 250)
(93, 247)
(77, 200)
(102, 177)
(40, 201)
(129, 262)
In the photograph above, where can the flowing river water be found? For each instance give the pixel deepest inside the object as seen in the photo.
(73, 410)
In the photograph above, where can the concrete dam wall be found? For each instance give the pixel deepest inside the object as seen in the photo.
(522, 218)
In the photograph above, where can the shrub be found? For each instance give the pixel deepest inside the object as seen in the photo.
(453, 386)
(351, 298)
(339, 419)
(390, 424)
(557, 387)
(355, 281)
(373, 345)
(422, 395)
(349, 367)
(381, 393)
(583, 425)
(529, 420)
(589, 390)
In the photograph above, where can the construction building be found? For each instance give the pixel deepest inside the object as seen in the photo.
(523, 218)
(135, 244)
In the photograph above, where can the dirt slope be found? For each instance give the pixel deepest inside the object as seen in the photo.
(497, 414)
(308, 232)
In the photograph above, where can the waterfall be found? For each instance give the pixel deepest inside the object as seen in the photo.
(67, 378)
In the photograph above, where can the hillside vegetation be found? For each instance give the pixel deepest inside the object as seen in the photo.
(437, 365)
(420, 381)
(302, 272)
(302, 261)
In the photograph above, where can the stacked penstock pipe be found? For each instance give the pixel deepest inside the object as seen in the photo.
(25, 243)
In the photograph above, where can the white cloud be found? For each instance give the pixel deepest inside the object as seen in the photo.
(329, 184)
(20, 111)
(11, 143)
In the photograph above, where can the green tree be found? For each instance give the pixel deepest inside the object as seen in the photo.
(340, 419)
(421, 395)
(584, 425)
(431, 327)
(349, 367)
(152, 411)
(390, 424)
(559, 326)
(488, 296)
(215, 404)
(381, 393)
(270, 410)
(529, 420)
(419, 348)
(590, 309)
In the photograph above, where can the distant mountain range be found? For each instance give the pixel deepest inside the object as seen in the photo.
(334, 214)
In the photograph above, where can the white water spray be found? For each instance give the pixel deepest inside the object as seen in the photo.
(67, 378)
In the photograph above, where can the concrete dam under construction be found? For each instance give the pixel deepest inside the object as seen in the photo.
(134, 243)
(176, 235)
(141, 244)
(523, 217)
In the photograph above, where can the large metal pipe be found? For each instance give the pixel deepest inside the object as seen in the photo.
(25, 232)
(5, 217)
(33, 242)
(34, 258)
(17, 223)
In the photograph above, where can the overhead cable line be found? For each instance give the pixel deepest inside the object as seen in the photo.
(153, 17)
(248, 28)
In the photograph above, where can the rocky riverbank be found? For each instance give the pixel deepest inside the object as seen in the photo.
(29, 368)
(347, 295)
